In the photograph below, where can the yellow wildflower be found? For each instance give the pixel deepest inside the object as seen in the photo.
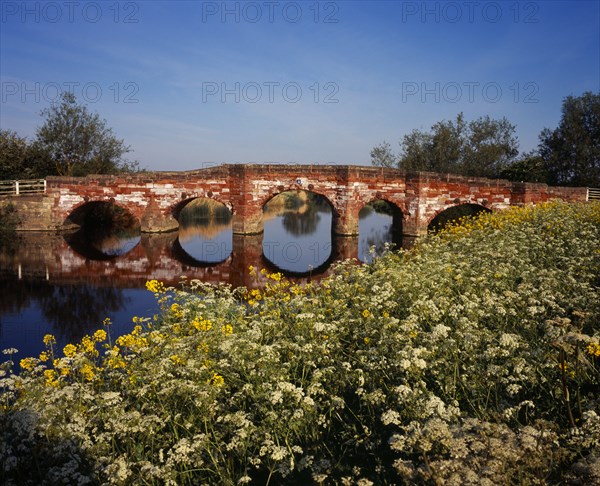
(155, 286)
(28, 363)
(89, 346)
(366, 313)
(115, 361)
(49, 340)
(177, 360)
(594, 349)
(51, 378)
(44, 356)
(99, 335)
(176, 310)
(227, 329)
(69, 350)
(87, 371)
(217, 380)
(202, 324)
(367, 340)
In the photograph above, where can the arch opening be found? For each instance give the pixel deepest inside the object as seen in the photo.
(106, 230)
(379, 225)
(454, 213)
(298, 231)
(205, 230)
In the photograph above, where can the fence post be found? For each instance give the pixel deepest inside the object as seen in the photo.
(45, 187)
(17, 187)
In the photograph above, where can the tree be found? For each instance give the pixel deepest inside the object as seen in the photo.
(20, 159)
(571, 152)
(382, 155)
(529, 167)
(79, 142)
(13, 154)
(483, 147)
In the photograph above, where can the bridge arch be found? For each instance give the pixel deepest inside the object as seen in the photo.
(205, 230)
(380, 223)
(102, 212)
(298, 230)
(177, 208)
(452, 213)
(396, 209)
(309, 188)
(106, 230)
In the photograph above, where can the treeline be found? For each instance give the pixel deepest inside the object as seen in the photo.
(72, 141)
(569, 155)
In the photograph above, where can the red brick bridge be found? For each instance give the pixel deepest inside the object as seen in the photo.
(156, 198)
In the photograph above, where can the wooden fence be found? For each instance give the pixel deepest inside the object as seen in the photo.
(593, 194)
(10, 188)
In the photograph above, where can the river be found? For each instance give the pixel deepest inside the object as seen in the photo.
(67, 284)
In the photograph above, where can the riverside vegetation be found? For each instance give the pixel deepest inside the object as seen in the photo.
(473, 358)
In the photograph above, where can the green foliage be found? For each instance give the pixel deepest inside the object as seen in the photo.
(473, 358)
(20, 159)
(382, 155)
(529, 167)
(571, 152)
(13, 154)
(79, 142)
(482, 147)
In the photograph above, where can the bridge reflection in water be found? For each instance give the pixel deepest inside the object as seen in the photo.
(68, 284)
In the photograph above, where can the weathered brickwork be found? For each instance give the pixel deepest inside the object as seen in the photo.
(157, 198)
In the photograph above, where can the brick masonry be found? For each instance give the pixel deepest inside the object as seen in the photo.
(156, 198)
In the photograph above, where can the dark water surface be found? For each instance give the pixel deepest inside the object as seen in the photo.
(66, 285)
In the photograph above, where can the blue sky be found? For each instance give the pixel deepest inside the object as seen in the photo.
(188, 84)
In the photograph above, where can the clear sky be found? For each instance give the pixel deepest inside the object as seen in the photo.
(187, 84)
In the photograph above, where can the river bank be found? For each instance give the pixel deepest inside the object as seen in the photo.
(472, 357)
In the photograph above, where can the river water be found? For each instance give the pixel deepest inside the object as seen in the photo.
(67, 284)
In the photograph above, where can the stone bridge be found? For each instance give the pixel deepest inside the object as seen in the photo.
(156, 198)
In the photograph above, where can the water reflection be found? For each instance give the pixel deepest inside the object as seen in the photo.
(106, 230)
(68, 311)
(379, 227)
(297, 232)
(103, 243)
(205, 231)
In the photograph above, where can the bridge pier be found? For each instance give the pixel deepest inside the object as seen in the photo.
(153, 220)
(243, 224)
